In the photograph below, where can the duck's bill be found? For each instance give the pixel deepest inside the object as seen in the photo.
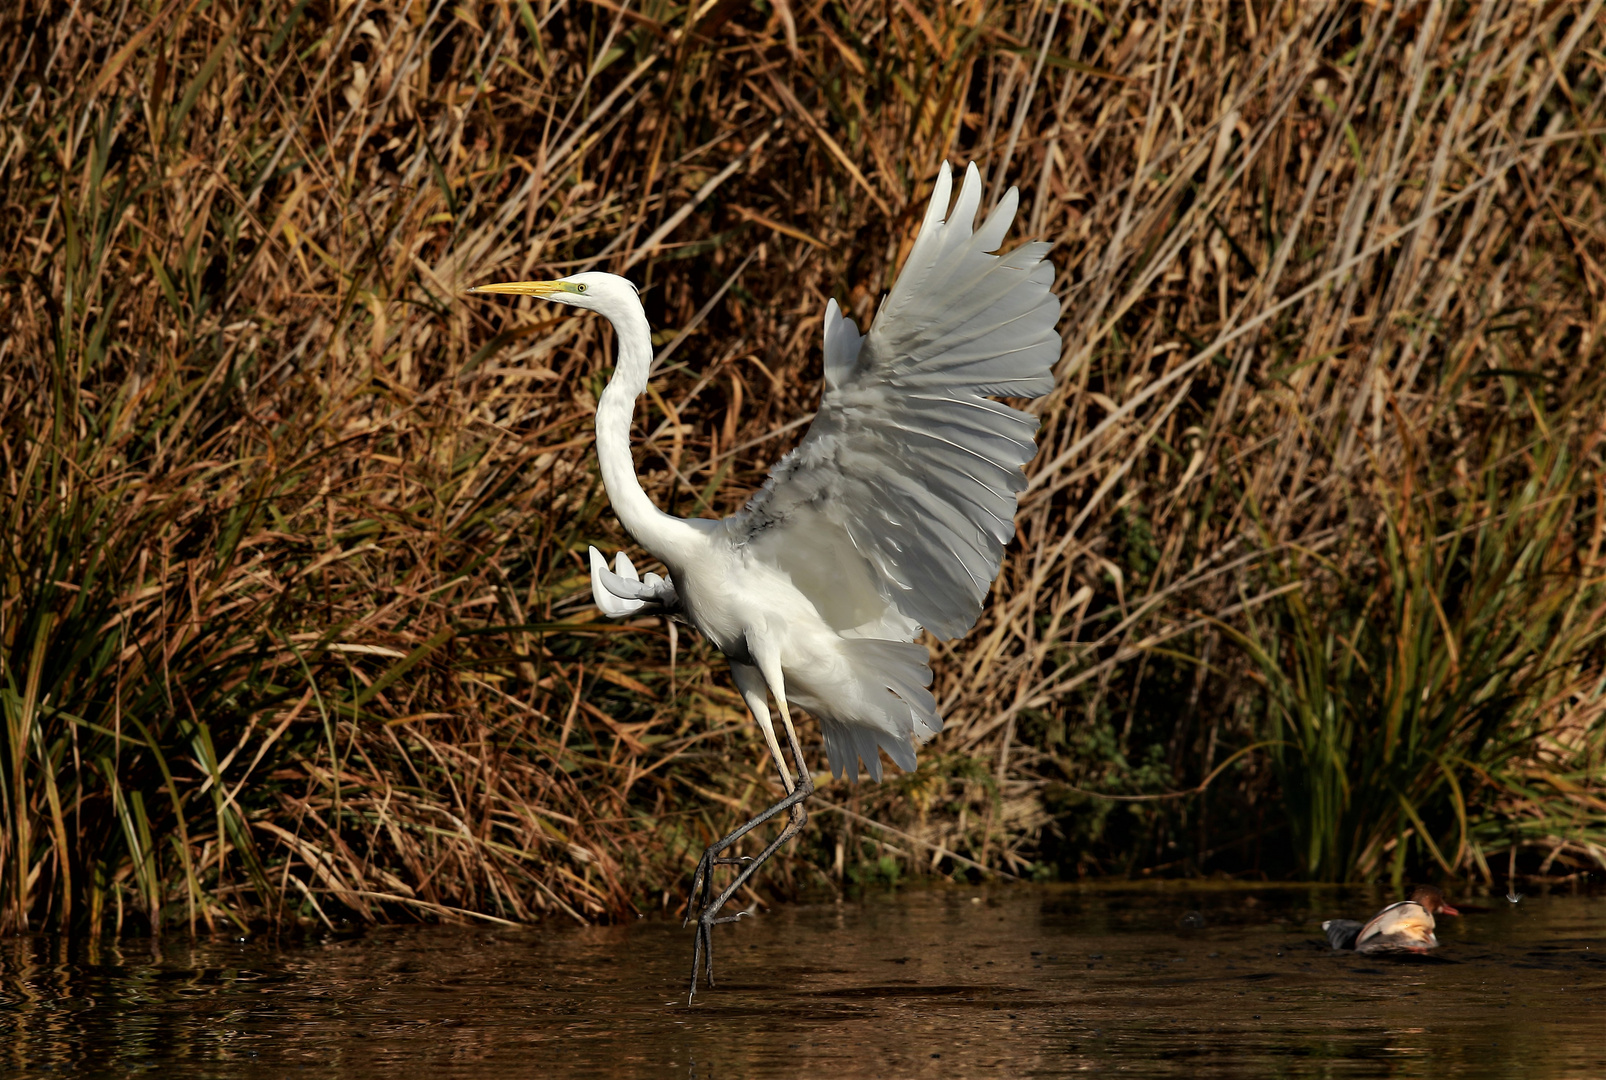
(1448, 910)
(526, 288)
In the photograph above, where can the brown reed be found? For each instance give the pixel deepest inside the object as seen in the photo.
(294, 622)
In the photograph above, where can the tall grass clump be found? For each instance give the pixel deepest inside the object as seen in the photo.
(294, 623)
(1421, 689)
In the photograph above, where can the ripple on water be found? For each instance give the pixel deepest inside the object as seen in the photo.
(1029, 982)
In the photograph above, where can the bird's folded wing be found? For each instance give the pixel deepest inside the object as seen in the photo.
(1402, 917)
(908, 457)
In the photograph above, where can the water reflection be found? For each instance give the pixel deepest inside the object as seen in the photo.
(1014, 982)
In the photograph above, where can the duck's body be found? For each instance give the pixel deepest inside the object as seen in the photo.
(1406, 926)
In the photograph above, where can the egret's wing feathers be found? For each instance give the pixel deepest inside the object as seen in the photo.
(842, 343)
(907, 456)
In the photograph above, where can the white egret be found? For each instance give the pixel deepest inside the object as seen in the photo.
(890, 517)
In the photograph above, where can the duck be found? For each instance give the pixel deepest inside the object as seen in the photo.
(1406, 926)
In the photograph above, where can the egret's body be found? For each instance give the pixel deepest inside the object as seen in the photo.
(890, 516)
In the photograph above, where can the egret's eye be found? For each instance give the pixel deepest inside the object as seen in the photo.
(579, 288)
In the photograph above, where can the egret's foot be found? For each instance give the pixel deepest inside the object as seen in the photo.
(699, 885)
(702, 955)
(703, 904)
(702, 882)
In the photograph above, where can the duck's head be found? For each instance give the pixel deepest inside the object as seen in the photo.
(1432, 900)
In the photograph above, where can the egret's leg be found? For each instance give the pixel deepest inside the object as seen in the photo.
(709, 917)
(769, 665)
(800, 813)
(751, 684)
(752, 681)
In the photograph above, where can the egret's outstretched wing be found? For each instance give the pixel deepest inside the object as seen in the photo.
(909, 465)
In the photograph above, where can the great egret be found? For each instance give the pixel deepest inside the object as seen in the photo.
(889, 517)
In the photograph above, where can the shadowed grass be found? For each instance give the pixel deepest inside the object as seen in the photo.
(1421, 690)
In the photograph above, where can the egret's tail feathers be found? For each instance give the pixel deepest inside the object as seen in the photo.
(900, 713)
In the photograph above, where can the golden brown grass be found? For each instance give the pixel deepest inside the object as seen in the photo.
(294, 620)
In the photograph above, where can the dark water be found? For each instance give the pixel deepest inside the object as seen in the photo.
(1008, 982)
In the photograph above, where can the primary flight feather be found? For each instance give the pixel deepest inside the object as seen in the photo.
(890, 517)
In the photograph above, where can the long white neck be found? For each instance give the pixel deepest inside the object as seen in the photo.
(670, 538)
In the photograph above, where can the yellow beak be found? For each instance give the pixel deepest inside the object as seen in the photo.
(526, 288)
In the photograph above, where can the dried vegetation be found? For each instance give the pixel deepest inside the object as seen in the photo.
(293, 620)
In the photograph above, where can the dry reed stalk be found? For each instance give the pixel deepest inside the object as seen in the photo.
(294, 620)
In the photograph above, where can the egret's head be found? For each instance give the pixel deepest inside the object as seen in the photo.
(608, 294)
